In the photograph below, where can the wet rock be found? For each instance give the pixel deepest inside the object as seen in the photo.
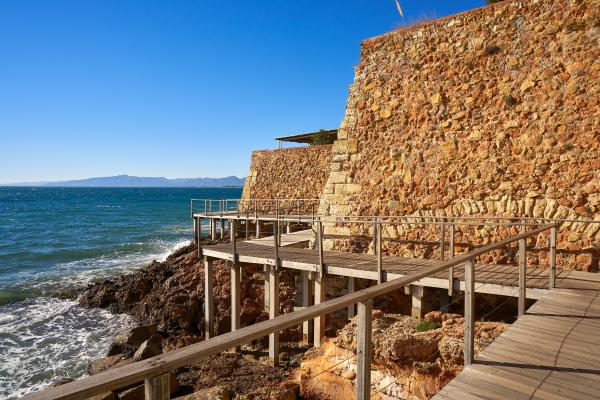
(102, 364)
(61, 381)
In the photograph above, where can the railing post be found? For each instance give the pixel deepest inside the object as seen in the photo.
(442, 241)
(363, 350)
(320, 282)
(209, 315)
(158, 387)
(213, 229)
(378, 251)
(247, 224)
(276, 243)
(451, 269)
(552, 255)
(273, 313)
(522, 276)
(469, 312)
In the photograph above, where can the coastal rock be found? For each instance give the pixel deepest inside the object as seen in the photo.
(149, 348)
(408, 363)
(135, 336)
(102, 364)
(214, 393)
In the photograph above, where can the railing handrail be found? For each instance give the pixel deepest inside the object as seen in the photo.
(138, 371)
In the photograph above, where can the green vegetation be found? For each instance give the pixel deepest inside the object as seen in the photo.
(424, 326)
(322, 137)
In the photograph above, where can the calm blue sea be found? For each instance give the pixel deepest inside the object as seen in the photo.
(59, 238)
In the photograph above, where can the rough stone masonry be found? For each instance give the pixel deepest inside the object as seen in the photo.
(494, 111)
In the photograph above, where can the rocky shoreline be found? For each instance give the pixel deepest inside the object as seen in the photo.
(167, 300)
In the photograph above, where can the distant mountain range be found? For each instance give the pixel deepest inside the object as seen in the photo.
(140, 181)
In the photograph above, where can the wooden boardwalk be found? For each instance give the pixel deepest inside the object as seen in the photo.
(493, 279)
(552, 353)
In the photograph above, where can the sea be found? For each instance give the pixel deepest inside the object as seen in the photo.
(56, 239)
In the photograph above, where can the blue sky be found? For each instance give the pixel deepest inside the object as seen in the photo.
(175, 88)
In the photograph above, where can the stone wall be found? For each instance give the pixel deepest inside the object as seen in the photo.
(292, 173)
(489, 112)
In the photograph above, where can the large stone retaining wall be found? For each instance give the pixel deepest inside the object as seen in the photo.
(292, 173)
(490, 112)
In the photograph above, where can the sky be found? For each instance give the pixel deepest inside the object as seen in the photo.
(176, 88)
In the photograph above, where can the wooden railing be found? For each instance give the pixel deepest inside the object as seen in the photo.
(155, 371)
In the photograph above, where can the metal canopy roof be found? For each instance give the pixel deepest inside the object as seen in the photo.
(306, 137)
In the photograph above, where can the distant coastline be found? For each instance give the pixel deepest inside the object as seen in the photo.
(139, 182)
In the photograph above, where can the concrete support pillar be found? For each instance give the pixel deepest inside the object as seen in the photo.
(307, 301)
(288, 227)
(444, 301)
(274, 312)
(319, 323)
(363, 351)
(417, 301)
(209, 316)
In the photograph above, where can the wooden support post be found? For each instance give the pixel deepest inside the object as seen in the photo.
(209, 316)
(158, 387)
(213, 229)
(235, 296)
(276, 242)
(232, 232)
(288, 227)
(307, 301)
(247, 225)
(320, 297)
(451, 269)
(417, 301)
(267, 286)
(379, 252)
(196, 235)
(222, 228)
(552, 255)
(257, 228)
(522, 276)
(442, 241)
(320, 247)
(363, 350)
(469, 312)
(351, 289)
(273, 313)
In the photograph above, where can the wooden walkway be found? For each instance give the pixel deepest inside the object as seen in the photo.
(294, 239)
(552, 353)
(493, 279)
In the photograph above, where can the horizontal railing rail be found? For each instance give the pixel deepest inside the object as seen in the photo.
(156, 367)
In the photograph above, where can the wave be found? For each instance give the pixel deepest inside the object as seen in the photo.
(80, 273)
(44, 339)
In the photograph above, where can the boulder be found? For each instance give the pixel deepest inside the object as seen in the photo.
(214, 393)
(149, 348)
(61, 381)
(135, 393)
(105, 363)
(135, 336)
